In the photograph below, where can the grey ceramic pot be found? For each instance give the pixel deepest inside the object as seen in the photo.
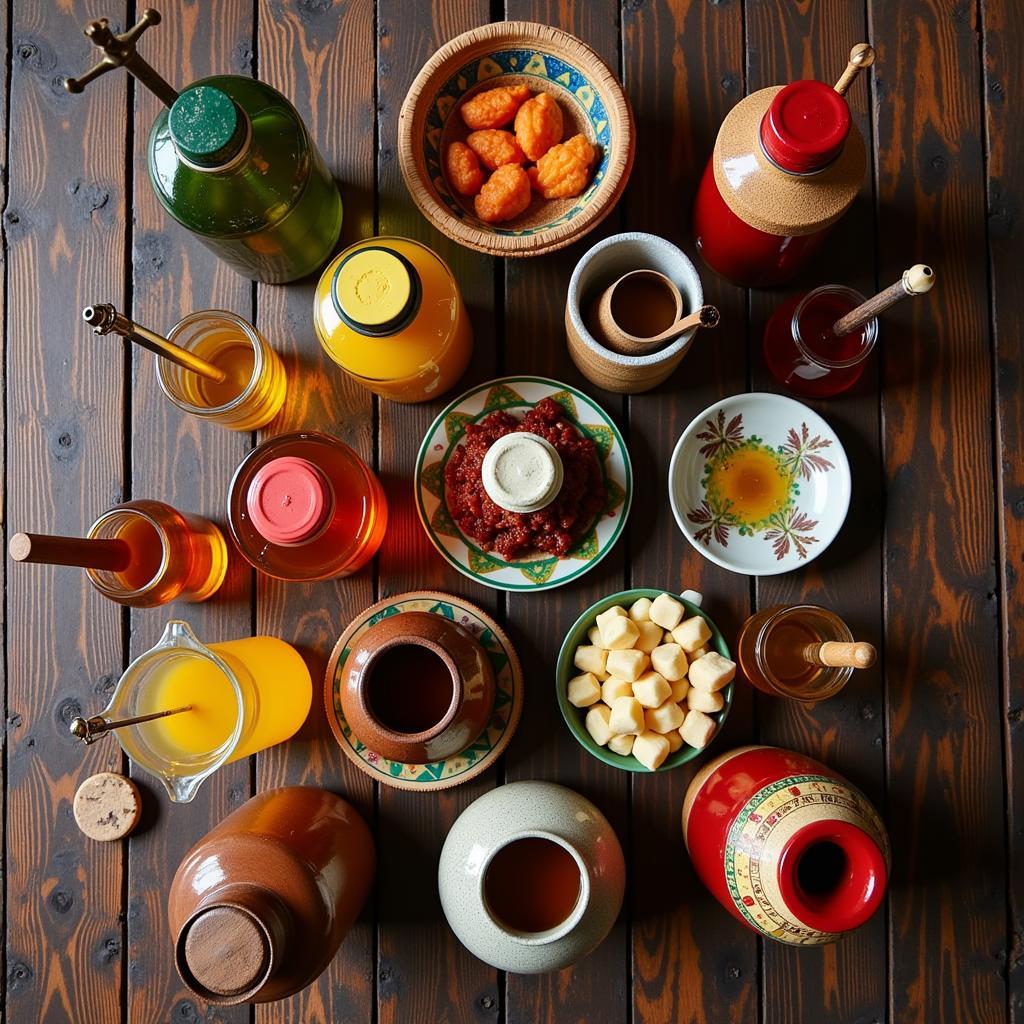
(531, 810)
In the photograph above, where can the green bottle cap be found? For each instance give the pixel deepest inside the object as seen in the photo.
(207, 126)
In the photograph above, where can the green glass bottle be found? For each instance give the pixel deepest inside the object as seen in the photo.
(231, 160)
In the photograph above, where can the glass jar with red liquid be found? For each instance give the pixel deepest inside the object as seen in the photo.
(305, 506)
(803, 352)
(786, 166)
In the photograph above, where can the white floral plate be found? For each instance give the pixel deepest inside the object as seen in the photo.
(759, 484)
(517, 395)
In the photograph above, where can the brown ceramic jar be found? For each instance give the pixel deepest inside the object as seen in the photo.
(260, 905)
(416, 688)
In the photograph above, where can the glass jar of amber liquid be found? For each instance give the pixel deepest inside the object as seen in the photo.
(776, 652)
(388, 311)
(253, 390)
(169, 555)
(304, 506)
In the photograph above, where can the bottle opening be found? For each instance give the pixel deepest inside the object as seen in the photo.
(410, 688)
(376, 291)
(207, 126)
(805, 127)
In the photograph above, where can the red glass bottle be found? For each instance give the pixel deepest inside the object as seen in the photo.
(786, 166)
(804, 354)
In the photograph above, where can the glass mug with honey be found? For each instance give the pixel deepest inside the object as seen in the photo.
(802, 652)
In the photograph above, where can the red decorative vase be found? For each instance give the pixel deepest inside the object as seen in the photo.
(786, 845)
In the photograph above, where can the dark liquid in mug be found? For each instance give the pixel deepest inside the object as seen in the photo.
(822, 867)
(532, 884)
(410, 689)
(643, 307)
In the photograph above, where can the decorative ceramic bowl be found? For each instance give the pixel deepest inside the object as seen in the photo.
(599, 267)
(547, 60)
(564, 671)
(517, 395)
(531, 811)
(499, 728)
(759, 484)
(417, 687)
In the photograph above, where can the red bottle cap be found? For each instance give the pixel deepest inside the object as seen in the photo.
(288, 500)
(805, 127)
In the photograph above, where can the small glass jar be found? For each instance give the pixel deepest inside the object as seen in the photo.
(174, 556)
(254, 391)
(771, 651)
(304, 506)
(802, 352)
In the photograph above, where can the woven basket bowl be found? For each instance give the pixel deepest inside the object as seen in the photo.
(547, 60)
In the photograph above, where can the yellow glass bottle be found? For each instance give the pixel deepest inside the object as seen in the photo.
(388, 311)
(254, 388)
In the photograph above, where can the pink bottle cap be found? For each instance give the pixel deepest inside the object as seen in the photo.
(288, 500)
(805, 127)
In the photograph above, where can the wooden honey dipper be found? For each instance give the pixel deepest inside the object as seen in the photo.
(917, 280)
(837, 654)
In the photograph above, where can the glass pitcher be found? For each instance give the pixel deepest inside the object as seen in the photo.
(183, 709)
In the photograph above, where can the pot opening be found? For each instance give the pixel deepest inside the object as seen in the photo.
(410, 688)
(532, 885)
(821, 869)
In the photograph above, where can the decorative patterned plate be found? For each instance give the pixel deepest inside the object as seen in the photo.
(759, 484)
(479, 755)
(517, 395)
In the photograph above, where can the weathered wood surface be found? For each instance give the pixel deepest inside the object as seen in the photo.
(927, 567)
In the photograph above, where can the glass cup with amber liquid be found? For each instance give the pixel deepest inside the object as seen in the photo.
(802, 652)
(141, 554)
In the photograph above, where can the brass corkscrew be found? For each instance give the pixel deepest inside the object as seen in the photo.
(119, 51)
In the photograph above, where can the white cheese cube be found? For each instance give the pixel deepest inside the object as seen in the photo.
(697, 729)
(627, 664)
(691, 633)
(591, 659)
(652, 689)
(613, 688)
(583, 690)
(650, 749)
(597, 724)
(622, 744)
(618, 633)
(680, 688)
(627, 716)
(675, 741)
(665, 718)
(594, 636)
(666, 611)
(705, 700)
(640, 610)
(650, 637)
(712, 672)
(700, 652)
(669, 660)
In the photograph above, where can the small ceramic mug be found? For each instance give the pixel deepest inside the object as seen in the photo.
(600, 266)
(417, 688)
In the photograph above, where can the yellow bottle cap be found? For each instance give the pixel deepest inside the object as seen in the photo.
(376, 291)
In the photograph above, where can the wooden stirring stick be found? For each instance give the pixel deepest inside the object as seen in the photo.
(861, 56)
(87, 553)
(706, 316)
(835, 654)
(91, 729)
(104, 318)
(915, 281)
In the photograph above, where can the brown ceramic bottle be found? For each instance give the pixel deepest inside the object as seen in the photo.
(260, 905)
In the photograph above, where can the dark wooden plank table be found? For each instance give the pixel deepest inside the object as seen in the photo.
(928, 565)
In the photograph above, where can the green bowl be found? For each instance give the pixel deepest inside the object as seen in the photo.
(565, 670)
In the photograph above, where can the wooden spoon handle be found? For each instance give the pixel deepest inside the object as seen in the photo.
(861, 56)
(112, 555)
(706, 316)
(835, 654)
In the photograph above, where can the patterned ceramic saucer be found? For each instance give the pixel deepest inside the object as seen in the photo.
(479, 755)
(759, 484)
(517, 395)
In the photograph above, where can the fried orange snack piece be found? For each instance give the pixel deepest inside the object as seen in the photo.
(463, 169)
(494, 107)
(495, 148)
(538, 125)
(505, 195)
(564, 170)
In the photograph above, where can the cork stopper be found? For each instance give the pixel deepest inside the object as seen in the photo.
(107, 806)
(226, 951)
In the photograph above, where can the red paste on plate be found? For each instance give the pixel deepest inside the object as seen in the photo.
(555, 528)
